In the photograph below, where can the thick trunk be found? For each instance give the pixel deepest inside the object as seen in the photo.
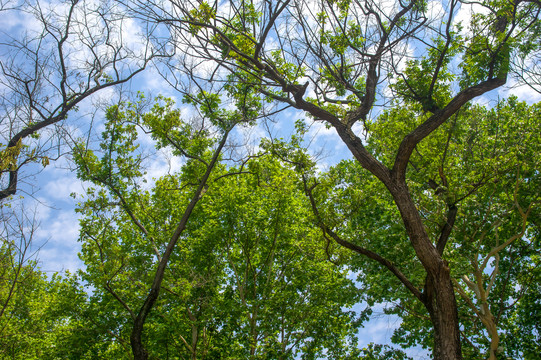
(138, 350)
(442, 308)
(439, 296)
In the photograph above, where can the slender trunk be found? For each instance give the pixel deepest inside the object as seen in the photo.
(488, 320)
(494, 344)
(138, 349)
(195, 340)
(253, 332)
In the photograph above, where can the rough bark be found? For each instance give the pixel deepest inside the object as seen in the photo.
(439, 297)
(444, 316)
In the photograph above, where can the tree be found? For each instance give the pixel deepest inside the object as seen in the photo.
(42, 318)
(16, 256)
(510, 204)
(118, 169)
(283, 299)
(335, 61)
(486, 175)
(248, 278)
(53, 57)
(521, 323)
(66, 54)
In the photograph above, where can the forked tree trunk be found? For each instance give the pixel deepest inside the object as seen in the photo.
(439, 297)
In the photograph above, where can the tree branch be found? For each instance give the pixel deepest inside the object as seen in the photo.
(359, 249)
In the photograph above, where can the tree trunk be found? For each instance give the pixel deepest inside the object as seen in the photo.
(488, 320)
(138, 350)
(441, 305)
(439, 297)
(494, 346)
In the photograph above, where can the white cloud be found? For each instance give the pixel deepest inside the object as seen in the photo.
(14, 21)
(57, 236)
(321, 135)
(163, 163)
(151, 82)
(523, 92)
(61, 188)
(465, 13)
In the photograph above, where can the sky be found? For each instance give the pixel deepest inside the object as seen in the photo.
(51, 192)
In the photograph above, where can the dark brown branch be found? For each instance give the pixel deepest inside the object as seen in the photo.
(108, 287)
(269, 25)
(439, 117)
(359, 249)
(11, 189)
(374, 256)
(447, 228)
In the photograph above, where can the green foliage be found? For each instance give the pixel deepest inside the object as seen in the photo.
(246, 98)
(377, 352)
(250, 277)
(239, 42)
(484, 162)
(521, 323)
(40, 318)
(491, 48)
(201, 15)
(427, 81)
(290, 71)
(117, 147)
(167, 128)
(8, 156)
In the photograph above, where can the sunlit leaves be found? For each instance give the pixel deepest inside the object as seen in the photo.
(428, 81)
(493, 41)
(117, 161)
(290, 71)
(43, 318)
(202, 14)
(8, 156)
(250, 276)
(166, 125)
